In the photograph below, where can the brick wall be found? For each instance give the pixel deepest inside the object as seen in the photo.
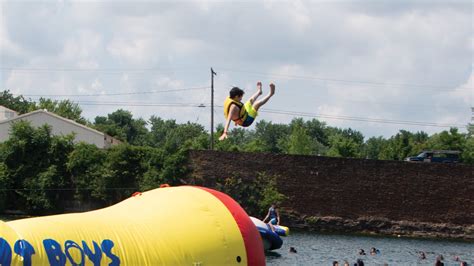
(353, 188)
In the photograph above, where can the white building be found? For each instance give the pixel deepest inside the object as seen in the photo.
(59, 126)
(6, 113)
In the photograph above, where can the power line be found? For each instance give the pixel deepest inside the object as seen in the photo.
(111, 94)
(282, 112)
(140, 104)
(417, 106)
(359, 119)
(110, 70)
(255, 73)
(364, 119)
(274, 111)
(371, 83)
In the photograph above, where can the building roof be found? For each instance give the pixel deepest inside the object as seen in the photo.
(53, 115)
(1, 106)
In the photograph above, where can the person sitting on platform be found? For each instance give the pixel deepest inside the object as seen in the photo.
(273, 215)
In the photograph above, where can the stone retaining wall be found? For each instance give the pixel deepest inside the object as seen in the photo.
(413, 198)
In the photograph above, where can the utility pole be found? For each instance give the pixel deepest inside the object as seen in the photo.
(212, 108)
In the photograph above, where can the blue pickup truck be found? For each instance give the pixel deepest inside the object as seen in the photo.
(436, 156)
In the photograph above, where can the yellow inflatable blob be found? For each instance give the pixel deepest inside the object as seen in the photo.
(166, 226)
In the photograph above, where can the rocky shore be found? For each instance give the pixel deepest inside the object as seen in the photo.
(380, 226)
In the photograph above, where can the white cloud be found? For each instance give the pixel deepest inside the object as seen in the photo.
(465, 92)
(344, 58)
(6, 45)
(94, 88)
(131, 51)
(332, 111)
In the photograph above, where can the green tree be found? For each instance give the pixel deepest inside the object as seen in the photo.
(447, 140)
(120, 124)
(343, 146)
(373, 147)
(35, 164)
(159, 130)
(467, 155)
(184, 134)
(270, 193)
(268, 135)
(175, 170)
(470, 130)
(398, 147)
(298, 142)
(18, 103)
(64, 108)
(86, 167)
(152, 177)
(241, 137)
(5, 190)
(256, 145)
(124, 168)
(255, 195)
(318, 131)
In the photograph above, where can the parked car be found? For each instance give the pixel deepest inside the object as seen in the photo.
(436, 156)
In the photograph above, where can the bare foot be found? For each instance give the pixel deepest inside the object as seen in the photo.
(272, 88)
(259, 88)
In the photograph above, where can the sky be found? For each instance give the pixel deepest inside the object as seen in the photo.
(373, 66)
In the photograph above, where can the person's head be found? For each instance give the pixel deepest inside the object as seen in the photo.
(346, 263)
(360, 262)
(236, 93)
(373, 251)
(335, 263)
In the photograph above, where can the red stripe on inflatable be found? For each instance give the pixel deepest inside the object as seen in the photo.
(250, 234)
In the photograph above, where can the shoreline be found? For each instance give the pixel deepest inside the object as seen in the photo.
(382, 227)
(382, 236)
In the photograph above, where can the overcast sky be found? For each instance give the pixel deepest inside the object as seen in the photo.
(343, 62)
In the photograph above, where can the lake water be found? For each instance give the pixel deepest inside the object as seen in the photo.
(323, 249)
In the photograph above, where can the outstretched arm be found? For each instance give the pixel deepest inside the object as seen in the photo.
(278, 217)
(226, 128)
(232, 112)
(266, 217)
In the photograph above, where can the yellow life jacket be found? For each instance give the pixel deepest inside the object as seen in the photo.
(242, 114)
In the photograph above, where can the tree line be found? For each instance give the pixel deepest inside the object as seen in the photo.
(41, 173)
(307, 137)
(313, 137)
